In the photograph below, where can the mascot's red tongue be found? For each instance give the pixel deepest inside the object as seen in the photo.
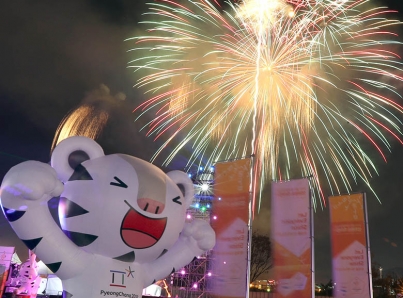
(139, 231)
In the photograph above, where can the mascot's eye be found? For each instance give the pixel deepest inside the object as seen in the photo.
(119, 183)
(176, 200)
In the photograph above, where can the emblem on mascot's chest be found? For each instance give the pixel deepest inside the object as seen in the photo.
(118, 280)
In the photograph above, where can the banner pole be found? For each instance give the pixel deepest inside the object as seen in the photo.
(312, 242)
(250, 226)
(368, 247)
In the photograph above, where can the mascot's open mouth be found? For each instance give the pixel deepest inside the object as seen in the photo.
(140, 231)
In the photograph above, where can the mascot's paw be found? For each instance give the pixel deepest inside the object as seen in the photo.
(31, 180)
(200, 233)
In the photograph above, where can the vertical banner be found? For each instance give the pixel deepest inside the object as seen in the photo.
(292, 236)
(230, 217)
(350, 257)
(6, 254)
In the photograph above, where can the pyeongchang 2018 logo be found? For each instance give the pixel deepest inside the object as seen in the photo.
(118, 279)
(118, 294)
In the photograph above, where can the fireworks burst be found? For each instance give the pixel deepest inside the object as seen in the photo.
(90, 118)
(309, 87)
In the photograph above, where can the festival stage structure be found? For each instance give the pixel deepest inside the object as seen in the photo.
(192, 280)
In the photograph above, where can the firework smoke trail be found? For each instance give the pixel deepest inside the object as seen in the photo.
(307, 85)
(261, 14)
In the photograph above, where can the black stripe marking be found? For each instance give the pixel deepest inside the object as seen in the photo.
(80, 173)
(53, 206)
(176, 200)
(13, 215)
(70, 208)
(54, 266)
(67, 294)
(119, 183)
(32, 243)
(163, 253)
(129, 257)
(80, 239)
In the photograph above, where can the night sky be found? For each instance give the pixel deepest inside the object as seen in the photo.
(55, 54)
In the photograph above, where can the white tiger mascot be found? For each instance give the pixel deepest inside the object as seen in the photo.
(122, 219)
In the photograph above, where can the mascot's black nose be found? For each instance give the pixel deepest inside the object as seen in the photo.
(150, 205)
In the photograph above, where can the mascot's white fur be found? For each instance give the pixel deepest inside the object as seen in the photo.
(122, 219)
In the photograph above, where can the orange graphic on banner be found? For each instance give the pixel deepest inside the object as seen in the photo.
(231, 190)
(291, 235)
(349, 246)
(294, 270)
(231, 213)
(347, 221)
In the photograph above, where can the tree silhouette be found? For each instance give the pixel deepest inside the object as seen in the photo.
(261, 259)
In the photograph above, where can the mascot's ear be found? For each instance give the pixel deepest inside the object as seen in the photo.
(185, 184)
(71, 152)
